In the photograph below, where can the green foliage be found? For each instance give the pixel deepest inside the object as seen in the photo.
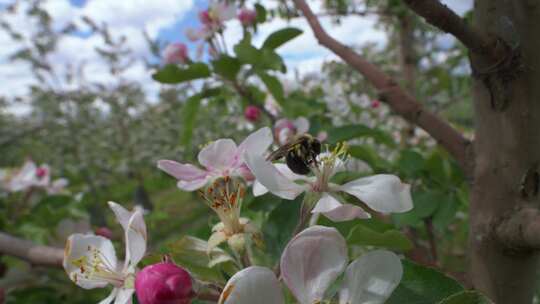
(466, 297)
(280, 37)
(227, 67)
(173, 74)
(348, 132)
(274, 86)
(422, 285)
(364, 235)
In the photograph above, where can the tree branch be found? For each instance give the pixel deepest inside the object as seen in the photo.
(30, 252)
(520, 230)
(398, 99)
(442, 17)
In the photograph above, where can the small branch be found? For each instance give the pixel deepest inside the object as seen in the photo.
(520, 230)
(398, 99)
(432, 240)
(442, 17)
(34, 254)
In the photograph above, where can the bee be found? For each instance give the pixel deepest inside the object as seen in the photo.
(299, 153)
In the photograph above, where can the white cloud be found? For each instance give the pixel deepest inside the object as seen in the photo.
(124, 18)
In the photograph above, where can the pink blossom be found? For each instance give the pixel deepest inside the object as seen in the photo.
(164, 283)
(41, 172)
(247, 17)
(252, 113)
(220, 158)
(285, 129)
(375, 104)
(104, 232)
(204, 17)
(176, 53)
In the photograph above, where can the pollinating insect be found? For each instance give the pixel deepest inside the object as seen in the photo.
(300, 153)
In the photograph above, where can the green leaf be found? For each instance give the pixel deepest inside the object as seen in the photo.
(280, 37)
(173, 74)
(391, 239)
(189, 113)
(190, 252)
(281, 222)
(345, 133)
(423, 285)
(467, 297)
(261, 13)
(264, 59)
(427, 202)
(410, 163)
(446, 213)
(274, 86)
(227, 66)
(370, 156)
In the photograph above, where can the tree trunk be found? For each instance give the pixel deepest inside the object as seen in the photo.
(507, 149)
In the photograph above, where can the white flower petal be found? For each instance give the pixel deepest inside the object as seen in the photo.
(136, 238)
(80, 251)
(110, 297)
(186, 172)
(122, 214)
(383, 193)
(346, 212)
(371, 278)
(267, 174)
(254, 284)
(326, 203)
(312, 261)
(215, 239)
(259, 189)
(124, 296)
(257, 142)
(219, 154)
(301, 124)
(193, 185)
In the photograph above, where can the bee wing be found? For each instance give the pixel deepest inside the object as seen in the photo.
(279, 153)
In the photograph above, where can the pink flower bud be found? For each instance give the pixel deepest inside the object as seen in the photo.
(247, 17)
(284, 129)
(104, 232)
(163, 283)
(204, 17)
(375, 104)
(175, 53)
(41, 172)
(252, 113)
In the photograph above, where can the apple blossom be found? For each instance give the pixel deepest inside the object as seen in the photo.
(164, 283)
(247, 17)
(285, 129)
(104, 232)
(220, 158)
(30, 176)
(382, 193)
(176, 53)
(252, 113)
(310, 263)
(90, 260)
(225, 197)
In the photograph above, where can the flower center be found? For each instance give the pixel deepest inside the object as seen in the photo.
(327, 165)
(225, 197)
(96, 267)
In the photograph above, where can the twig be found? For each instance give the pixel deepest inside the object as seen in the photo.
(398, 99)
(34, 254)
(442, 17)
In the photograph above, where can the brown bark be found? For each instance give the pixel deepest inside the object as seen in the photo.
(507, 149)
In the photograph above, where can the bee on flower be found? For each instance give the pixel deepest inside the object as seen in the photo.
(382, 192)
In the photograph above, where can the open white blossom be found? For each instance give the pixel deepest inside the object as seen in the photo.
(383, 192)
(90, 260)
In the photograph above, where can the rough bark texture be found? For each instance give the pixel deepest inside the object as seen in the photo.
(507, 149)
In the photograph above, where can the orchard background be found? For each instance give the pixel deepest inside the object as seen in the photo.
(442, 94)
